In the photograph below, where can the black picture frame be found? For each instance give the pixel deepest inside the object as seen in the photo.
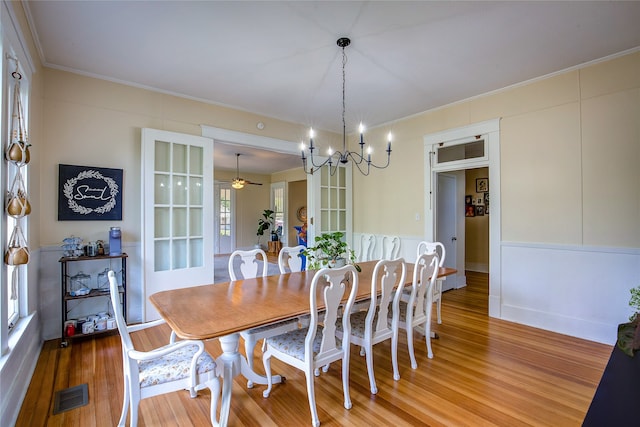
(89, 193)
(482, 185)
(480, 210)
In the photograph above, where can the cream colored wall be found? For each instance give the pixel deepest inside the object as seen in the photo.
(297, 198)
(97, 123)
(570, 144)
(477, 227)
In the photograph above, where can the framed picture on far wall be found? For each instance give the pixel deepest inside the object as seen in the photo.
(482, 185)
(479, 210)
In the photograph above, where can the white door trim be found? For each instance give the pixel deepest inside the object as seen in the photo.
(491, 130)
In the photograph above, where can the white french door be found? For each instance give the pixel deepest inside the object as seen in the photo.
(330, 203)
(177, 213)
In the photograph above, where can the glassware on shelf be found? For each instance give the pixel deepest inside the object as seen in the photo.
(103, 280)
(79, 284)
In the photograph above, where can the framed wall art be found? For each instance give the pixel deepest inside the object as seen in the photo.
(88, 193)
(482, 185)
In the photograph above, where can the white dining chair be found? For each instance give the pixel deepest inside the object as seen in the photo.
(249, 267)
(390, 247)
(289, 259)
(249, 264)
(181, 365)
(317, 346)
(416, 312)
(438, 248)
(367, 247)
(378, 324)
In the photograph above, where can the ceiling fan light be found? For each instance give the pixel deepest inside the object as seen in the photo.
(237, 184)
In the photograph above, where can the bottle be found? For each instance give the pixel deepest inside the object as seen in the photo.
(115, 244)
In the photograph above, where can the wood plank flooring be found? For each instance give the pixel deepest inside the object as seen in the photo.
(485, 372)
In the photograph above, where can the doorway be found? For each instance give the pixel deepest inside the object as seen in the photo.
(461, 149)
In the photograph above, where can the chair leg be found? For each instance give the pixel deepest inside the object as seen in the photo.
(412, 356)
(214, 386)
(125, 403)
(315, 422)
(345, 378)
(134, 404)
(394, 356)
(372, 377)
(438, 308)
(266, 361)
(427, 335)
(249, 346)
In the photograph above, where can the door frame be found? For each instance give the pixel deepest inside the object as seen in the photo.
(490, 129)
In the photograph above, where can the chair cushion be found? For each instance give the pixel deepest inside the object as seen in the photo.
(271, 326)
(173, 366)
(292, 343)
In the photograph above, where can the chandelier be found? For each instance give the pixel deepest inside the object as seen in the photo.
(363, 163)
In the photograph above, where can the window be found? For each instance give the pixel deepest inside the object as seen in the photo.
(225, 212)
(15, 276)
(277, 196)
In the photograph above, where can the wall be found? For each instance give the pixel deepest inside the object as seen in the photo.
(568, 143)
(297, 198)
(476, 227)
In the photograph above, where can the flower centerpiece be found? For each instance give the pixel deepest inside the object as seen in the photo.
(330, 251)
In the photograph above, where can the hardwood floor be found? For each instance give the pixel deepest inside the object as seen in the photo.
(485, 372)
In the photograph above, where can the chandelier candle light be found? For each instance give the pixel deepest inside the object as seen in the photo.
(343, 156)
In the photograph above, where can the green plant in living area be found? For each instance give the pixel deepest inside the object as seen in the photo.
(330, 250)
(629, 333)
(264, 223)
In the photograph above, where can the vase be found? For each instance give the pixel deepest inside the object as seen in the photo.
(337, 263)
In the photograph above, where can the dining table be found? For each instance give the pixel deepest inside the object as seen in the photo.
(223, 310)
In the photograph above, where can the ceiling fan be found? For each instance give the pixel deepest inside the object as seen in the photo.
(238, 182)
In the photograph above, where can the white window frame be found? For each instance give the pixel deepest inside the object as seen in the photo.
(11, 50)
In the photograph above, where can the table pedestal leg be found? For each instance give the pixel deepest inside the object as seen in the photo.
(230, 364)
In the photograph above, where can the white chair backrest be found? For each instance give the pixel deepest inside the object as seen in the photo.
(289, 259)
(249, 264)
(127, 344)
(331, 284)
(430, 248)
(387, 282)
(390, 247)
(367, 245)
(425, 273)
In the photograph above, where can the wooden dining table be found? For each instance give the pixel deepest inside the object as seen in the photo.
(223, 310)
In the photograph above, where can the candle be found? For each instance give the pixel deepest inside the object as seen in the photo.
(361, 131)
(311, 139)
(389, 143)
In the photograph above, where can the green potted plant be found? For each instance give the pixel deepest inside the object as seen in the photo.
(264, 223)
(330, 251)
(629, 333)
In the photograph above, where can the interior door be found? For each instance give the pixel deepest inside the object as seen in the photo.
(330, 202)
(177, 213)
(446, 219)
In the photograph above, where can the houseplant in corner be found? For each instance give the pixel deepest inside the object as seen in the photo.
(629, 333)
(264, 224)
(330, 251)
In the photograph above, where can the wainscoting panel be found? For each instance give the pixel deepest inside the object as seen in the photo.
(574, 290)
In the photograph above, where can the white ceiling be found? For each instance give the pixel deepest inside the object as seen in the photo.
(280, 59)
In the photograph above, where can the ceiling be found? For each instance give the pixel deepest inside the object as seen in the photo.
(280, 59)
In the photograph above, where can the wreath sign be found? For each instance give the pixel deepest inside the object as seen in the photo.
(83, 210)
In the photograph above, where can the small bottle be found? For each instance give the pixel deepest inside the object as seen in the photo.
(115, 243)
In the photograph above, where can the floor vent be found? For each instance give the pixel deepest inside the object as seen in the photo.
(71, 398)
